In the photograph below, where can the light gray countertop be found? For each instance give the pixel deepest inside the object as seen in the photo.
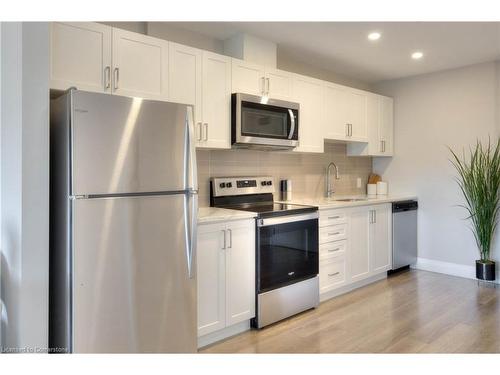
(212, 215)
(330, 203)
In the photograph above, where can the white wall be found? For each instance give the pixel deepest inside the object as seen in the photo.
(25, 184)
(451, 108)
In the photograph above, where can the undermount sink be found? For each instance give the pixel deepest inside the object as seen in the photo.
(349, 199)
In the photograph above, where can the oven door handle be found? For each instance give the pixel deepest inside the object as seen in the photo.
(292, 124)
(286, 219)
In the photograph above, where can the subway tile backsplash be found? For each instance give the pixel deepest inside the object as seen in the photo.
(307, 171)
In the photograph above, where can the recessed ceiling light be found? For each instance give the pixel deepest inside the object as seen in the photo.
(374, 36)
(417, 55)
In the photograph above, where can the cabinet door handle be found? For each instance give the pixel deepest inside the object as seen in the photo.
(383, 143)
(370, 219)
(374, 216)
(107, 77)
(333, 234)
(206, 130)
(333, 250)
(350, 130)
(268, 85)
(224, 246)
(198, 136)
(263, 84)
(347, 130)
(333, 274)
(333, 217)
(381, 146)
(230, 239)
(116, 78)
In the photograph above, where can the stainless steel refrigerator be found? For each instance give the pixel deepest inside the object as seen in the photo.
(123, 225)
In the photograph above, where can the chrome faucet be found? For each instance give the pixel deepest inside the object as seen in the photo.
(329, 187)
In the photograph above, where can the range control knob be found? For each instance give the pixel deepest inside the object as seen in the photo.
(269, 183)
(222, 185)
(229, 185)
(263, 183)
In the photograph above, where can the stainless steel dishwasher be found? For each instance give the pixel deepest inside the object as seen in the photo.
(404, 233)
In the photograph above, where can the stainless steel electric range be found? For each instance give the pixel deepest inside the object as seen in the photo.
(287, 247)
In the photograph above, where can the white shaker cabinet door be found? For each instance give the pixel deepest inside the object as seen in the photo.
(279, 84)
(386, 125)
(80, 56)
(211, 277)
(359, 243)
(310, 94)
(240, 271)
(357, 104)
(380, 238)
(214, 129)
(184, 76)
(140, 65)
(336, 117)
(247, 78)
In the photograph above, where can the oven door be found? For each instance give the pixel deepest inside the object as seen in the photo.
(274, 123)
(287, 250)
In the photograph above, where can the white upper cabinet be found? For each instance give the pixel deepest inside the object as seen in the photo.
(248, 78)
(380, 128)
(310, 94)
(214, 127)
(336, 124)
(278, 84)
(140, 65)
(80, 56)
(345, 117)
(184, 76)
(386, 126)
(100, 58)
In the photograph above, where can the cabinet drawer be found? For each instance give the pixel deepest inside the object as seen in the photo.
(331, 274)
(332, 217)
(332, 249)
(332, 233)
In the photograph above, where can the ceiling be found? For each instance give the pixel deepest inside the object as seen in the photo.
(343, 47)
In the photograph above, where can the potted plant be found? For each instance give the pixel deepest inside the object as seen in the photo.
(479, 180)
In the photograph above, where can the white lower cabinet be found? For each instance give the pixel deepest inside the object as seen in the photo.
(226, 274)
(355, 244)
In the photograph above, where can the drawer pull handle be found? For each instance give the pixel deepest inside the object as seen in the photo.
(332, 250)
(333, 217)
(333, 274)
(333, 234)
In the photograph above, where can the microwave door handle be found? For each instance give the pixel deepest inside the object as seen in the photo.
(292, 122)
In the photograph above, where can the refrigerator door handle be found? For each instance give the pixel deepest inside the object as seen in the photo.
(191, 178)
(191, 224)
(191, 175)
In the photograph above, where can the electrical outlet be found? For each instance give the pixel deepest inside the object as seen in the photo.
(358, 182)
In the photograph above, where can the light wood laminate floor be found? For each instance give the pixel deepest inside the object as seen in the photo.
(411, 312)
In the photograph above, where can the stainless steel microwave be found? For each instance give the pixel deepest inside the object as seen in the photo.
(258, 122)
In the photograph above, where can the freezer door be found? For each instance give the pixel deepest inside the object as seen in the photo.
(132, 292)
(123, 145)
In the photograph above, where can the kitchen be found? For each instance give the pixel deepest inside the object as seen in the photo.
(265, 159)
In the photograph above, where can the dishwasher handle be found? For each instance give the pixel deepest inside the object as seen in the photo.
(404, 206)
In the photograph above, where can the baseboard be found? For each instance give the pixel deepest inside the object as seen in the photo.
(447, 268)
(223, 334)
(350, 287)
